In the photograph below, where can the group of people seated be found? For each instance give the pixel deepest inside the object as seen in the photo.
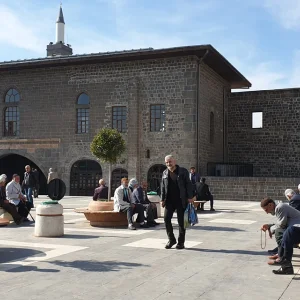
(13, 200)
(131, 198)
(286, 230)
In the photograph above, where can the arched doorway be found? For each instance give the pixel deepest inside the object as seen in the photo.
(116, 176)
(85, 175)
(14, 164)
(154, 177)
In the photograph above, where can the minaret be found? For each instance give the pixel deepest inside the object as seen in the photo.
(59, 48)
(60, 27)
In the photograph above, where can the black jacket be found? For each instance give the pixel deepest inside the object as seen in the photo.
(2, 195)
(295, 201)
(184, 184)
(202, 191)
(30, 182)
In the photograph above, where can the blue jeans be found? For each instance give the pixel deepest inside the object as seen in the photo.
(290, 237)
(28, 193)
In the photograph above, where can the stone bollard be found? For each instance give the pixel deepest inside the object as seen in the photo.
(153, 197)
(49, 220)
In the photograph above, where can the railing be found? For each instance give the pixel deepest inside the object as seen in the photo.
(229, 169)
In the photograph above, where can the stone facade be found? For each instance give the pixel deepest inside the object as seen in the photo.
(273, 149)
(250, 188)
(48, 112)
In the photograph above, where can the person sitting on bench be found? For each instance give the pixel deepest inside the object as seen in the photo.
(203, 194)
(14, 196)
(4, 203)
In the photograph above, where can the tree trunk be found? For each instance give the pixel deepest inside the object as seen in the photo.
(109, 183)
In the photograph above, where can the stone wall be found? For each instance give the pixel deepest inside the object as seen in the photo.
(274, 149)
(250, 188)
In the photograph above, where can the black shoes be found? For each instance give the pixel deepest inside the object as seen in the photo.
(170, 244)
(144, 225)
(180, 246)
(274, 251)
(286, 268)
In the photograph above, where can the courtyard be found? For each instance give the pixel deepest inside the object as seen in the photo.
(223, 259)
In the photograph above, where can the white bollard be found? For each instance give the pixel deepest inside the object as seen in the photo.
(156, 199)
(49, 221)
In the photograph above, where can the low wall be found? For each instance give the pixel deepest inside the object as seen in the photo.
(250, 188)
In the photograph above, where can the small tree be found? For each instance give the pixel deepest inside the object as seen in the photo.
(108, 146)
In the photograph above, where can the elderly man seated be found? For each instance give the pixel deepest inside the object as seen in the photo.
(293, 198)
(15, 196)
(139, 196)
(4, 203)
(101, 192)
(123, 203)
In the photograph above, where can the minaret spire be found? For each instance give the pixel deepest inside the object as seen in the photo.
(60, 27)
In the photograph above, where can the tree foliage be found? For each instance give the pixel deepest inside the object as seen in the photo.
(108, 145)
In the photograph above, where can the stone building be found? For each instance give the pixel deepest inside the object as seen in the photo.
(163, 101)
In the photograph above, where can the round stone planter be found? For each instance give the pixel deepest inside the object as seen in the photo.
(101, 206)
(106, 218)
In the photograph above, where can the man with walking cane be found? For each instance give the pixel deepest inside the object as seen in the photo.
(15, 196)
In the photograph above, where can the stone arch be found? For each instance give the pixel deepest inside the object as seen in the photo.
(11, 163)
(154, 177)
(116, 176)
(84, 177)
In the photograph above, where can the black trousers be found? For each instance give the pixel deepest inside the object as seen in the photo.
(138, 209)
(169, 211)
(290, 237)
(11, 209)
(24, 208)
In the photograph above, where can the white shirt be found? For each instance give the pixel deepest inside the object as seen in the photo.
(13, 191)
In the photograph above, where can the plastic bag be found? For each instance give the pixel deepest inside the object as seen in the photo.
(190, 216)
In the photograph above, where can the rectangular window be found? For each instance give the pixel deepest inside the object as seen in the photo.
(11, 121)
(83, 120)
(119, 116)
(257, 120)
(157, 117)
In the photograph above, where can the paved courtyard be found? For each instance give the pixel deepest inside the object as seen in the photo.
(223, 260)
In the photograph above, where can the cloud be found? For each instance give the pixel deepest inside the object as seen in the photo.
(287, 12)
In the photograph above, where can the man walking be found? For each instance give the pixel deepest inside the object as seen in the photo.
(28, 184)
(176, 192)
(37, 182)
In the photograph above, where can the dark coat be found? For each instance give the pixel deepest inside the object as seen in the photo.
(295, 201)
(202, 191)
(31, 180)
(2, 195)
(101, 193)
(184, 184)
(138, 196)
(197, 177)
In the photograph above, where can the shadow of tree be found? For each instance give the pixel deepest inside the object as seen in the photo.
(97, 266)
(10, 254)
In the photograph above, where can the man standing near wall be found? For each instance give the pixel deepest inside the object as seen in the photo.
(176, 192)
(28, 184)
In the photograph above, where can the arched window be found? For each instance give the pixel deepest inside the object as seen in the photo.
(11, 113)
(83, 113)
(154, 177)
(12, 96)
(211, 128)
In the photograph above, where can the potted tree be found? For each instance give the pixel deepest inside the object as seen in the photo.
(108, 146)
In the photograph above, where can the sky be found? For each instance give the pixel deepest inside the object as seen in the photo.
(259, 37)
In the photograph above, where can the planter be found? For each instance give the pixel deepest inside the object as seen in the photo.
(101, 206)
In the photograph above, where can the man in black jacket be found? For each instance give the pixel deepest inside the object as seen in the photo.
(176, 193)
(203, 193)
(28, 184)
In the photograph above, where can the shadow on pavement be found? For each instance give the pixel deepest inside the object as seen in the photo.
(245, 252)
(215, 228)
(21, 269)
(97, 266)
(11, 254)
(79, 236)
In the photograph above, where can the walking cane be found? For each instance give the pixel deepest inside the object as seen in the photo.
(29, 213)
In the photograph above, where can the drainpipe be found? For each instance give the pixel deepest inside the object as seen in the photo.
(198, 106)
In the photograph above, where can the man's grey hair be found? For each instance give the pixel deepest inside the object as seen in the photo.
(3, 178)
(133, 182)
(27, 166)
(101, 181)
(299, 187)
(289, 192)
(169, 157)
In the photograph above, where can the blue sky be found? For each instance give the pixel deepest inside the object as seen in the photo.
(261, 38)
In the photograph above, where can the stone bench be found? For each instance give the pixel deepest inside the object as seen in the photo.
(196, 203)
(5, 215)
(104, 218)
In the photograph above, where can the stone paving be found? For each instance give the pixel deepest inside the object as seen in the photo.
(223, 260)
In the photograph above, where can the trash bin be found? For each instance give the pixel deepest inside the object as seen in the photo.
(49, 220)
(153, 197)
